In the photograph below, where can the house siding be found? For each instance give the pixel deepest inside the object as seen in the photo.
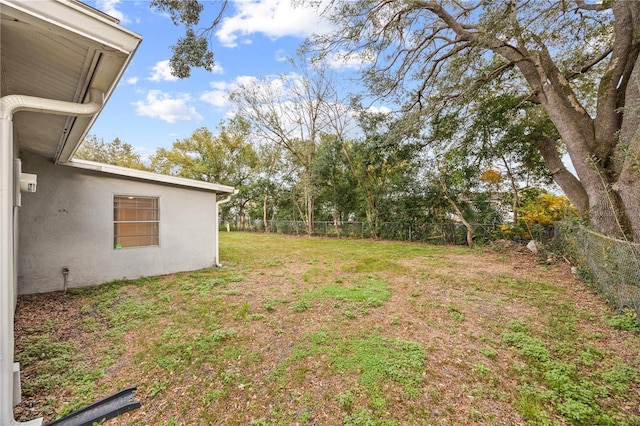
(68, 223)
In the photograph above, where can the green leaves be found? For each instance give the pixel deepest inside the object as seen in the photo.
(116, 152)
(227, 158)
(181, 11)
(190, 51)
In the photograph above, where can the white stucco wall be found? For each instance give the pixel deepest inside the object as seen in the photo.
(68, 222)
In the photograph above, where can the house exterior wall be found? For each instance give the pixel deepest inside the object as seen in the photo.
(68, 222)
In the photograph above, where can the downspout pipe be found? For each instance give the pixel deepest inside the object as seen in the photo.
(9, 105)
(217, 225)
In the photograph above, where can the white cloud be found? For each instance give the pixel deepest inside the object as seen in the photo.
(162, 72)
(282, 56)
(110, 8)
(246, 80)
(381, 110)
(273, 18)
(219, 96)
(217, 69)
(273, 87)
(348, 60)
(161, 105)
(131, 80)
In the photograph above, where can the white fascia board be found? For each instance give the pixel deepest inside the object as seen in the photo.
(77, 19)
(149, 176)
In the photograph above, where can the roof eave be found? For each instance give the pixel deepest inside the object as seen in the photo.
(111, 47)
(149, 176)
(66, 16)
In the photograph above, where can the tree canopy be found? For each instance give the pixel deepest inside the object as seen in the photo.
(572, 66)
(553, 53)
(116, 152)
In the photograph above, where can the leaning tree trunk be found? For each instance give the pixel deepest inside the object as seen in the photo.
(466, 224)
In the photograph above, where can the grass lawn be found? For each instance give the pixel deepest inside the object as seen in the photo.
(337, 332)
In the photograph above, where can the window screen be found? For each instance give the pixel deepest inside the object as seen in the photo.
(135, 221)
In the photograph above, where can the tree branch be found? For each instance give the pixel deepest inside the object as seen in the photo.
(586, 67)
(571, 186)
(608, 116)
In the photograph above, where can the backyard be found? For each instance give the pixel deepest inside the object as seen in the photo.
(316, 331)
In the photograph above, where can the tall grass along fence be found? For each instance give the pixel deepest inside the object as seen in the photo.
(612, 265)
(435, 233)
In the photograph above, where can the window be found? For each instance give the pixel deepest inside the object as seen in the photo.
(135, 221)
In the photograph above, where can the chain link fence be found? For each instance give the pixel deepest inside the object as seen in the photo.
(612, 265)
(434, 233)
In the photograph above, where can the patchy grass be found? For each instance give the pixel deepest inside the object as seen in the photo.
(371, 292)
(336, 332)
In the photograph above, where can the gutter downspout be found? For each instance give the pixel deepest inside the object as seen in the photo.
(9, 105)
(216, 225)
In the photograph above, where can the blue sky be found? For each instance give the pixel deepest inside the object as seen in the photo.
(151, 109)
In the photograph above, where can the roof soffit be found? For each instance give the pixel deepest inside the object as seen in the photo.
(57, 49)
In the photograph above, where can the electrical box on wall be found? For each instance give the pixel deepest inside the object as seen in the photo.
(23, 182)
(28, 182)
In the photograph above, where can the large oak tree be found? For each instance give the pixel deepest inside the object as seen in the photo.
(578, 61)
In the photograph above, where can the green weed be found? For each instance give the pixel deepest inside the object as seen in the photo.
(375, 359)
(242, 312)
(489, 352)
(620, 376)
(346, 401)
(482, 369)
(562, 386)
(157, 387)
(256, 317)
(270, 303)
(300, 306)
(214, 395)
(456, 315)
(625, 320)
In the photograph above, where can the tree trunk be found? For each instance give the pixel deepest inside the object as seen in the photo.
(310, 208)
(579, 137)
(370, 212)
(628, 184)
(459, 213)
(264, 214)
(571, 186)
(514, 188)
(589, 141)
